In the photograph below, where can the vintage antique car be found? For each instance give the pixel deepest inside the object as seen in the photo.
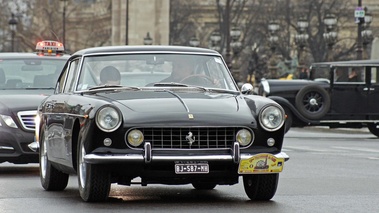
(342, 94)
(25, 80)
(157, 115)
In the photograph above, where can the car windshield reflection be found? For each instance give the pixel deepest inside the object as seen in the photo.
(155, 70)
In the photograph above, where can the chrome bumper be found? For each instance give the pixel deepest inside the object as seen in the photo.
(148, 157)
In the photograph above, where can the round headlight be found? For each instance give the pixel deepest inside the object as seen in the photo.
(108, 119)
(271, 118)
(135, 137)
(244, 137)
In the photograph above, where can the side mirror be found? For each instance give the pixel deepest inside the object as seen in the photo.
(247, 89)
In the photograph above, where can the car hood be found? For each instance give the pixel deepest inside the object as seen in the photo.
(19, 102)
(172, 107)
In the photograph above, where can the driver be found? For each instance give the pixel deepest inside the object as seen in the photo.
(181, 69)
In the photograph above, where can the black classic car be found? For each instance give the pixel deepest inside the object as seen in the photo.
(157, 115)
(342, 94)
(25, 80)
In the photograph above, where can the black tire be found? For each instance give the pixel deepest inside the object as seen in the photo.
(260, 186)
(289, 119)
(94, 180)
(204, 186)
(51, 178)
(374, 129)
(313, 102)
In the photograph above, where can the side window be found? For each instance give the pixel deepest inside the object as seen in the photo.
(375, 75)
(61, 81)
(71, 78)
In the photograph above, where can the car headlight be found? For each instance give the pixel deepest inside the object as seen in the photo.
(271, 118)
(108, 119)
(135, 137)
(8, 121)
(244, 137)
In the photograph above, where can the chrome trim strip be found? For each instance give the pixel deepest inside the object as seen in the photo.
(105, 159)
(148, 154)
(236, 152)
(349, 121)
(6, 148)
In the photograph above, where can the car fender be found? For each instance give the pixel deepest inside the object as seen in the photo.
(286, 104)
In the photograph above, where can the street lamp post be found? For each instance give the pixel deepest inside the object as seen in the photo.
(13, 25)
(64, 22)
(234, 45)
(147, 40)
(366, 34)
(330, 36)
(301, 39)
(273, 27)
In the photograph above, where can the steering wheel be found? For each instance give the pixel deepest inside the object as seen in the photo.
(199, 79)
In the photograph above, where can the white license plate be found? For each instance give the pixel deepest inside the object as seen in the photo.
(191, 168)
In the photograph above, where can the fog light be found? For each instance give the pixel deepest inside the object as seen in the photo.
(271, 142)
(135, 137)
(107, 142)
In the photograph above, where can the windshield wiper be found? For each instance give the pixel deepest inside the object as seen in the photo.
(166, 84)
(175, 84)
(107, 88)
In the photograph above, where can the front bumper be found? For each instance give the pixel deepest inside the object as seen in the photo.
(148, 157)
(14, 146)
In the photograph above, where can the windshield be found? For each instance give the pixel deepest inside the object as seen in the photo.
(29, 73)
(155, 70)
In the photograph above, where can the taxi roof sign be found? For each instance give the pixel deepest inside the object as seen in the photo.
(49, 47)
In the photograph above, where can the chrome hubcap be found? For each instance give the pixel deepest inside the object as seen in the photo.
(82, 166)
(43, 158)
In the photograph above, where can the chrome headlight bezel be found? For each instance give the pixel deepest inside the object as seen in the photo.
(135, 137)
(244, 137)
(108, 118)
(271, 117)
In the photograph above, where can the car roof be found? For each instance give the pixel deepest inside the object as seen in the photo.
(145, 48)
(13, 55)
(353, 63)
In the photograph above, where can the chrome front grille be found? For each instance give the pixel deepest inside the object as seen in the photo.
(190, 138)
(27, 119)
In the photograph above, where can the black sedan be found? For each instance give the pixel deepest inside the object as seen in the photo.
(162, 114)
(25, 80)
(341, 94)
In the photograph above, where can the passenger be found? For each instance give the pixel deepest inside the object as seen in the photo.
(354, 76)
(109, 75)
(341, 75)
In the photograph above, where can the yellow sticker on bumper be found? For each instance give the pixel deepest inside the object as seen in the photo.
(261, 163)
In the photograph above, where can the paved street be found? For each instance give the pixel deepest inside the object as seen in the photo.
(329, 171)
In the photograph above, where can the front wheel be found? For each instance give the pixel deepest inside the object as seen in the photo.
(94, 180)
(261, 186)
(51, 178)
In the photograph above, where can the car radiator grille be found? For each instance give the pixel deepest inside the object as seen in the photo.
(27, 119)
(181, 138)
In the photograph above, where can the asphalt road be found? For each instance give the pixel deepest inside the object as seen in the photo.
(328, 171)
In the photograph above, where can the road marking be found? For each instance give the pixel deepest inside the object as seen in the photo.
(357, 149)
